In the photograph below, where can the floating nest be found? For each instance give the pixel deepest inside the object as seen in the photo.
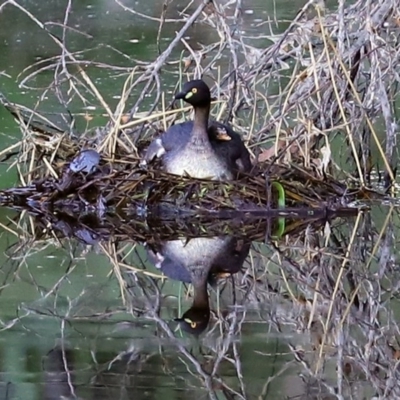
(64, 178)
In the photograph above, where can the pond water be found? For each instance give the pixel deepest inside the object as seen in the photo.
(74, 325)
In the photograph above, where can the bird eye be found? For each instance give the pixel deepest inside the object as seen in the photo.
(192, 324)
(194, 90)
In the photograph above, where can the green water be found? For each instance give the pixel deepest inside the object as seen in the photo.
(61, 309)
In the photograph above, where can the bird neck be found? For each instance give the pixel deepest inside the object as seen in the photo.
(201, 115)
(199, 275)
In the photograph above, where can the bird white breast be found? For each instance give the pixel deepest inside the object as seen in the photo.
(198, 251)
(197, 165)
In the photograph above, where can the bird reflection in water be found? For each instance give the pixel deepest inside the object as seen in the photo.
(198, 261)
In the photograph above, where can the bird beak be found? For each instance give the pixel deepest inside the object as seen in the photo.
(180, 95)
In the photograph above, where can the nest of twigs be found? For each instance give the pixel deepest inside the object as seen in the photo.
(122, 185)
(119, 184)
